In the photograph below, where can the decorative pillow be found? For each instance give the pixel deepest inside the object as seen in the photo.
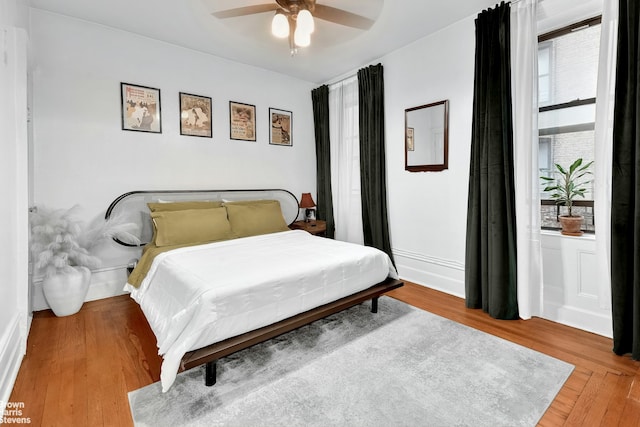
(165, 206)
(180, 206)
(191, 226)
(250, 202)
(253, 218)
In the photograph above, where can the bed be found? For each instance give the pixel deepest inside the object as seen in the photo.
(221, 271)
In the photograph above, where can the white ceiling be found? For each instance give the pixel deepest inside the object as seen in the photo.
(334, 51)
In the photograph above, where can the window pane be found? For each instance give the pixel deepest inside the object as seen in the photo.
(544, 156)
(572, 61)
(544, 79)
(581, 117)
(565, 148)
(567, 72)
(544, 90)
(543, 59)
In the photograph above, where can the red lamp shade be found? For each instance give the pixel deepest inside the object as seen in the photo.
(307, 201)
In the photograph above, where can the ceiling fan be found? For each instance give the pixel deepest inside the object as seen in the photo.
(294, 19)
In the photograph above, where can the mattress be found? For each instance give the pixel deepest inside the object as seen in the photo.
(199, 295)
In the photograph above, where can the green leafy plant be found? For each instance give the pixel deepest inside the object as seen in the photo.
(570, 184)
(60, 241)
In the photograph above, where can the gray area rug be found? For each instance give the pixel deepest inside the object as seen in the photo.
(400, 367)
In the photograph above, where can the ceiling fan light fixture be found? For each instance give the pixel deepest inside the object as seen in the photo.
(280, 25)
(301, 38)
(295, 19)
(305, 21)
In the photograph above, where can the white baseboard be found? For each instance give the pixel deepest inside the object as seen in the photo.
(448, 277)
(12, 350)
(105, 283)
(575, 317)
(436, 273)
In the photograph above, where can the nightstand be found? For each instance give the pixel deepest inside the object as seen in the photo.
(317, 227)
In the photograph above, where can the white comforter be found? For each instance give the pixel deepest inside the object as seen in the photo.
(199, 295)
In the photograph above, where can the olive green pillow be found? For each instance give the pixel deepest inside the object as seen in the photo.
(191, 226)
(179, 206)
(249, 202)
(261, 217)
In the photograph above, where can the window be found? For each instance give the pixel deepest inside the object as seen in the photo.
(567, 78)
(544, 74)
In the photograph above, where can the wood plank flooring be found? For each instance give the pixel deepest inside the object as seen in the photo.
(78, 369)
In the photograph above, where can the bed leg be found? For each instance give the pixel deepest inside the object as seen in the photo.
(210, 374)
(374, 305)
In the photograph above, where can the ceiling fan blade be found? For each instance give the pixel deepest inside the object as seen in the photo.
(246, 10)
(342, 17)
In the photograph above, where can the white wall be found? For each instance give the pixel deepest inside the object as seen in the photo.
(14, 312)
(571, 290)
(81, 155)
(428, 210)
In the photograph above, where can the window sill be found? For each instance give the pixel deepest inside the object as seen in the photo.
(556, 233)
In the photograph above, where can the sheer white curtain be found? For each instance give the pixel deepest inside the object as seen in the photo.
(345, 160)
(524, 81)
(604, 148)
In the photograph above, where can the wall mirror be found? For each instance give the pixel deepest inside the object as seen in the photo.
(426, 135)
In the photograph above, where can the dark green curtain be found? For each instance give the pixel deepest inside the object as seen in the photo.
(490, 257)
(320, 99)
(625, 203)
(373, 176)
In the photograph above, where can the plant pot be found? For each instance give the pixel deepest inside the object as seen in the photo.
(571, 225)
(66, 292)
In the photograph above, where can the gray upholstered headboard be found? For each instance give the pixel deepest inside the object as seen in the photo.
(132, 206)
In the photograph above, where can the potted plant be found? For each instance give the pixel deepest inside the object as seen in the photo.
(60, 244)
(566, 188)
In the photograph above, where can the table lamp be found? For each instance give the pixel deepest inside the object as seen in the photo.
(308, 204)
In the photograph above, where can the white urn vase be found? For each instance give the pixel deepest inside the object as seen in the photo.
(66, 292)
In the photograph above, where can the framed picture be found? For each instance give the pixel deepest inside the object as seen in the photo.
(242, 118)
(281, 122)
(195, 115)
(140, 108)
(410, 144)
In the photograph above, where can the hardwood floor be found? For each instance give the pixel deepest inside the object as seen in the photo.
(78, 369)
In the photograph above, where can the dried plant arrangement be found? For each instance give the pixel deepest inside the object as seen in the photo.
(61, 248)
(60, 241)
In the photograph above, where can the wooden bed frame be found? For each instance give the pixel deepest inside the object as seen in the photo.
(210, 354)
(130, 206)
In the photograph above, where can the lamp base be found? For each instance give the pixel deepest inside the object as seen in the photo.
(310, 215)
